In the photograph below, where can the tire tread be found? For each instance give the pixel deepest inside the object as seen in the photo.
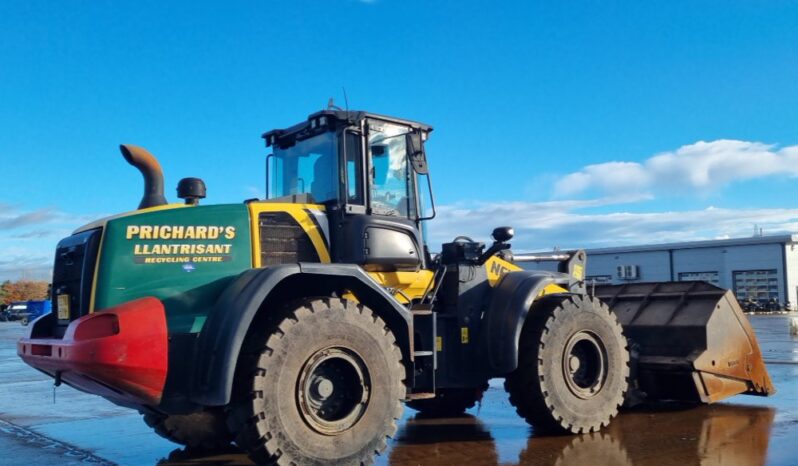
(263, 446)
(529, 396)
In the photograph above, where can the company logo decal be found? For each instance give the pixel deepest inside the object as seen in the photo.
(497, 269)
(147, 249)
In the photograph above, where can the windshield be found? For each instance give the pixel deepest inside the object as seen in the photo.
(307, 167)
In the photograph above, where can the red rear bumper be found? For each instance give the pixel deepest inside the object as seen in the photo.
(120, 353)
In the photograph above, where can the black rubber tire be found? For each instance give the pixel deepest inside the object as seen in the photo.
(24, 321)
(449, 402)
(203, 430)
(265, 412)
(538, 387)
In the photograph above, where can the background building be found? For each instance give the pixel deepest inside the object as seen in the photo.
(760, 268)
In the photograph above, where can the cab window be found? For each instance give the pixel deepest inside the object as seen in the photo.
(354, 170)
(307, 167)
(392, 189)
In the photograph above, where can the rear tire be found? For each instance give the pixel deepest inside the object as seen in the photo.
(573, 366)
(449, 402)
(324, 388)
(203, 430)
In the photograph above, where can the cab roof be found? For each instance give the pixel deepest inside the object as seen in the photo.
(326, 120)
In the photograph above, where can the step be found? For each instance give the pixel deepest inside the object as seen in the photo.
(422, 353)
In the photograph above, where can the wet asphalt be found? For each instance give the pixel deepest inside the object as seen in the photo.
(79, 429)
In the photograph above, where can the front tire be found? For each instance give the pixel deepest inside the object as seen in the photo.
(573, 366)
(324, 388)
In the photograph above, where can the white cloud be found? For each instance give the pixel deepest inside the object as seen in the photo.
(28, 239)
(254, 191)
(702, 166)
(540, 226)
(564, 223)
(27, 263)
(12, 218)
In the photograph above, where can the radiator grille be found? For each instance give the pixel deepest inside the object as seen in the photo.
(73, 273)
(283, 241)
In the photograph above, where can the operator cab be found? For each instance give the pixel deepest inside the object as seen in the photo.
(366, 170)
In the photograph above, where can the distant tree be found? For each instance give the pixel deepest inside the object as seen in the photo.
(4, 292)
(23, 290)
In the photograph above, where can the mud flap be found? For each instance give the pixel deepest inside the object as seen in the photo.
(692, 340)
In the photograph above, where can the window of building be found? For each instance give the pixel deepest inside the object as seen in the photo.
(757, 285)
(711, 277)
(628, 272)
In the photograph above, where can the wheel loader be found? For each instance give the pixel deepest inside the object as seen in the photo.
(298, 325)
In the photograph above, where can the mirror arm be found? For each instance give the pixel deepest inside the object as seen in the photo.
(492, 250)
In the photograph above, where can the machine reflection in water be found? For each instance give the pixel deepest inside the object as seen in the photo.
(708, 436)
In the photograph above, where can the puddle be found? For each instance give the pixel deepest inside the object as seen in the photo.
(745, 430)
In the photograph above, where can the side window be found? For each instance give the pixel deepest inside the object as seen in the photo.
(392, 191)
(354, 167)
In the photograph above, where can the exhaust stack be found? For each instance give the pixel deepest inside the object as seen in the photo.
(150, 169)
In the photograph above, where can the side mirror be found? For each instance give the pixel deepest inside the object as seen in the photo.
(415, 150)
(503, 234)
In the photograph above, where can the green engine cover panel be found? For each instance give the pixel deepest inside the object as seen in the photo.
(183, 256)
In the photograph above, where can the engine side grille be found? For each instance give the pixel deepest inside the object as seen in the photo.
(73, 272)
(283, 241)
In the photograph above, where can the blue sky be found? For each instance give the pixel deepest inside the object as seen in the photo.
(598, 124)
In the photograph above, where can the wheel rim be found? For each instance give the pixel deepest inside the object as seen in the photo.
(584, 364)
(333, 390)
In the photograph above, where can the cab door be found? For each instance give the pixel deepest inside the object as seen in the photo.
(379, 227)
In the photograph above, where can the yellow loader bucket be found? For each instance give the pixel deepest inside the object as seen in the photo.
(690, 342)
